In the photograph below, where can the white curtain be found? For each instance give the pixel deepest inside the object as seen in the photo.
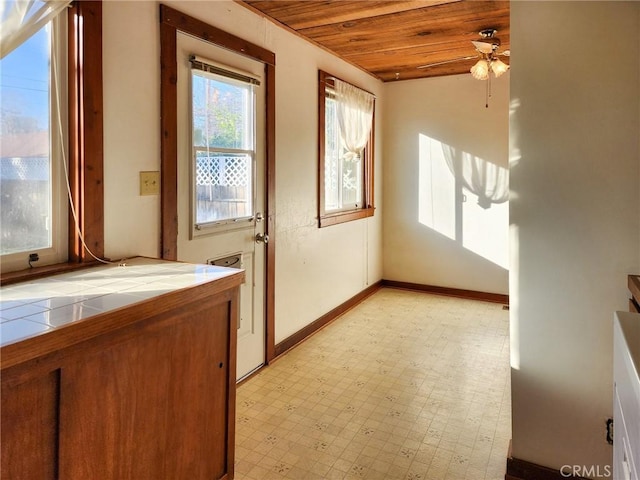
(488, 181)
(20, 19)
(355, 116)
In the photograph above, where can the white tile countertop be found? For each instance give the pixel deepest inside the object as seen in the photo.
(39, 306)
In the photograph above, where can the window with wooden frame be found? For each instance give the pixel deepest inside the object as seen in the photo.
(345, 165)
(34, 204)
(84, 136)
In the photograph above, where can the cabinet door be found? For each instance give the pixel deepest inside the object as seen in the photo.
(153, 406)
(30, 429)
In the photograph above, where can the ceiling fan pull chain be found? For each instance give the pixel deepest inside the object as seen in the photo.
(488, 92)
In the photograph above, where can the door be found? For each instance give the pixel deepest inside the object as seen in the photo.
(221, 171)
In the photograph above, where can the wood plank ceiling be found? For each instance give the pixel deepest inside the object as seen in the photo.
(391, 39)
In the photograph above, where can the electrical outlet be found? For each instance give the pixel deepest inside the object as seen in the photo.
(149, 183)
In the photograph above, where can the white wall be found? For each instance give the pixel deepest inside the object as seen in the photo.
(431, 235)
(316, 269)
(574, 210)
(575, 206)
(131, 53)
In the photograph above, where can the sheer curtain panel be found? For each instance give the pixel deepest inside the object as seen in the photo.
(19, 19)
(355, 115)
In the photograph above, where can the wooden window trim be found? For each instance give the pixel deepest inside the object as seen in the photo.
(86, 143)
(325, 218)
(86, 152)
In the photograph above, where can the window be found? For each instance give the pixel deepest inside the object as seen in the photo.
(224, 146)
(80, 59)
(33, 205)
(345, 186)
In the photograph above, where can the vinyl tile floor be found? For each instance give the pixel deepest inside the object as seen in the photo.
(406, 385)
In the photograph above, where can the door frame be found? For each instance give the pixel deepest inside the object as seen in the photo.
(171, 22)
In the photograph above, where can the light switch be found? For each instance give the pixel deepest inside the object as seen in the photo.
(149, 183)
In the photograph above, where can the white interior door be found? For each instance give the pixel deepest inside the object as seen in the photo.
(221, 169)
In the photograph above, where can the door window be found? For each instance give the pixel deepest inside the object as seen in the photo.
(223, 111)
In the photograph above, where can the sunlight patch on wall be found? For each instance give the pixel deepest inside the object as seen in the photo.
(464, 198)
(515, 156)
(436, 192)
(514, 303)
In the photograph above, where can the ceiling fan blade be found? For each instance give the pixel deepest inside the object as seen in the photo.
(428, 65)
(482, 46)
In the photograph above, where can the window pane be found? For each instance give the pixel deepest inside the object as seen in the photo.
(223, 186)
(223, 146)
(342, 177)
(331, 157)
(222, 112)
(25, 161)
(352, 183)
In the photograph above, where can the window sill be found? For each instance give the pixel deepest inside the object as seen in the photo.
(343, 217)
(8, 278)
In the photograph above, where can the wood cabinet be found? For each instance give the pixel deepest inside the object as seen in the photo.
(141, 392)
(29, 428)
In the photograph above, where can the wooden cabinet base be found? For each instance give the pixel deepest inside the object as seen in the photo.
(29, 428)
(152, 400)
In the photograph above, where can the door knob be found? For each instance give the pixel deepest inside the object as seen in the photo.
(262, 238)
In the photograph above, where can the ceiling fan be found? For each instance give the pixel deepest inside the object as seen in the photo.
(488, 58)
(487, 50)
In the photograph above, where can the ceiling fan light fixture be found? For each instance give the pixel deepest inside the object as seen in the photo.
(480, 71)
(498, 67)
